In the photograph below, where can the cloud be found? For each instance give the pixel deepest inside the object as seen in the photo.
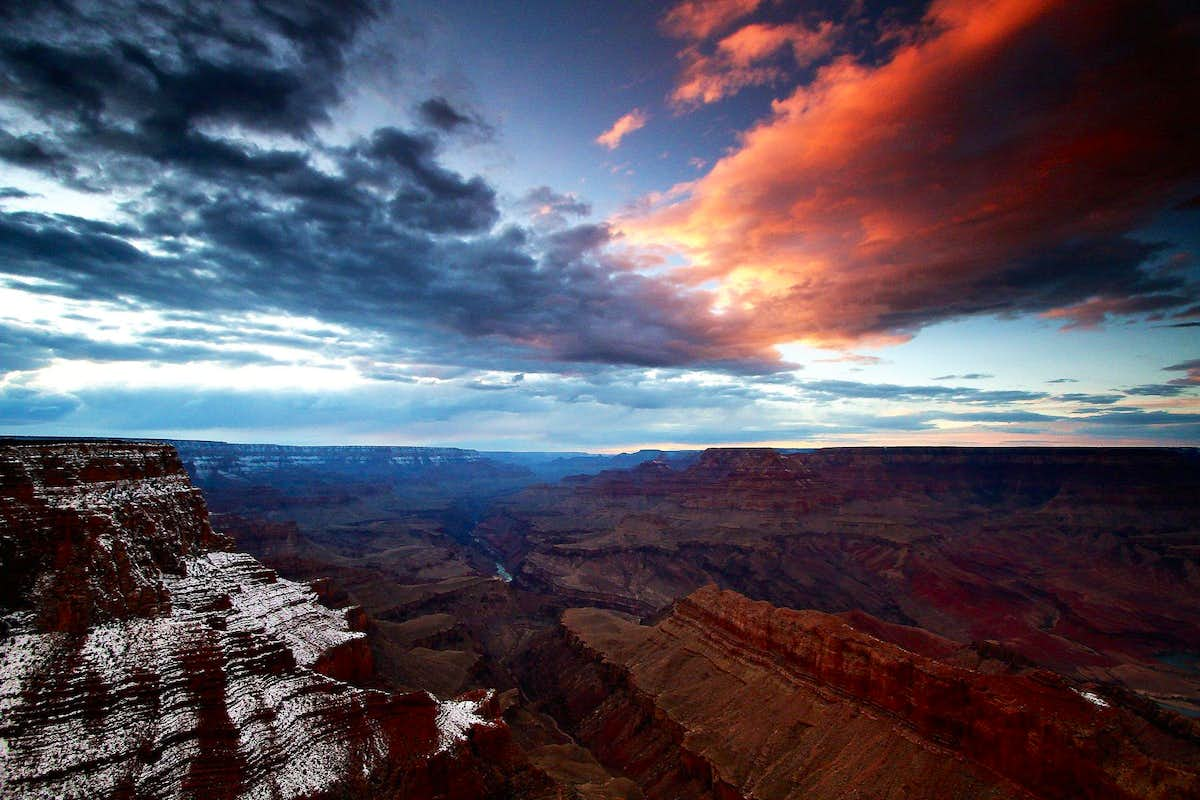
(970, 376)
(439, 113)
(698, 19)
(1090, 399)
(836, 222)
(551, 209)
(1175, 386)
(625, 125)
(23, 349)
(1063, 380)
(1136, 417)
(24, 405)
(702, 18)
(112, 61)
(1192, 368)
(890, 391)
(751, 56)
(1156, 390)
(852, 358)
(210, 130)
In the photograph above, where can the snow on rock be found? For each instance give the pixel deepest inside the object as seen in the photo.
(137, 660)
(261, 603)
(455, 719)
(1092, 698)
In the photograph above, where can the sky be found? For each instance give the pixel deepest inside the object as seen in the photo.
(601, 225)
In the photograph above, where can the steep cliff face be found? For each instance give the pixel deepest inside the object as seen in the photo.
(141, 658)
(727, 697)
(1086, 560)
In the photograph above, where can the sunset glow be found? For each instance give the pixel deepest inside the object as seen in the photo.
(603, 227)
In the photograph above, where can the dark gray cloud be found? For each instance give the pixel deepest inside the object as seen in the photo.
(168, 65)
(210, 120)
(1140, 423)
(441, 114)
(24, 348)
(1063, 380)
(543, 197)
(1138, 416)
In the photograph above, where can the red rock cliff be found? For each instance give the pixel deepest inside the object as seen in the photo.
(142, 659)
(1086, 560)
(768, 702)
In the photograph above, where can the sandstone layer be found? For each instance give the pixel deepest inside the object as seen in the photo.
(727, 697)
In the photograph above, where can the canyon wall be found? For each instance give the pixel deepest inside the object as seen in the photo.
(142, 657)
(1085, 560)
(727, 697)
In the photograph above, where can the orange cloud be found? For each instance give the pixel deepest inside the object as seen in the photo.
(698, 19)
(995, 163)
(743, 58)
(627, 124)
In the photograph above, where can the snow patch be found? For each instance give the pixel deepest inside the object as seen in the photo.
(1092, 698)
(455, 718)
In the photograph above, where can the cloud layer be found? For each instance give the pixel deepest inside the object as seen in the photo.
(211, 129)
(997, 161)
(194, 240)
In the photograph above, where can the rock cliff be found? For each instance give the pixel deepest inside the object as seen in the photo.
(140, 657)
(1086, 560)
(727, 697)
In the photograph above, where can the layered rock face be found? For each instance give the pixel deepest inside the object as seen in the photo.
(141, 658)
(388, 526)
(727, 697)
(1086, 560)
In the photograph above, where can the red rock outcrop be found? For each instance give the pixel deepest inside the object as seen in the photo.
(139, 657)
(728, 697)
(1085, 560)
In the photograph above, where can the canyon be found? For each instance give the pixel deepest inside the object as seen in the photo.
(728, 697)
(143, 657)
(208, 619)
(1083, 560)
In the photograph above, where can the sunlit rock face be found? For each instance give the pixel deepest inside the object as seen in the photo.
(726, 698)
(1086, 560)
(141, 658)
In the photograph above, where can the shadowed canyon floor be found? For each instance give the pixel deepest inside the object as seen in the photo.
(929, 623)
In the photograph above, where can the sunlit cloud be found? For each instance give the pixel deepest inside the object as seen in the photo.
(625, 125)
(747, 57)
(956, 177)
(697, 19)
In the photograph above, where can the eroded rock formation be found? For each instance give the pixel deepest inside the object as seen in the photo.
(141, 658)
(1085, 560)
(727, 697)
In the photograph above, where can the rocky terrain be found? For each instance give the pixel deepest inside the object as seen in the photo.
(1086, 561)
(727, 697)
(414, 622)
(141, 657)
